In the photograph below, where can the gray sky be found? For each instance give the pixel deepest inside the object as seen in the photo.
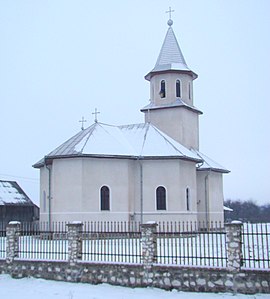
(61, 59)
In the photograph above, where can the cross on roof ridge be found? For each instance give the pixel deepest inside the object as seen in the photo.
(82, 121)
(96, 113)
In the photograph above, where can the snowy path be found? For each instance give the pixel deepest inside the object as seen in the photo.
(31, 288)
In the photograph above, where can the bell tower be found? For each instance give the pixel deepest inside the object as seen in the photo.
(171, 107)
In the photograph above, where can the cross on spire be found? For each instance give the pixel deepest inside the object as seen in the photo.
(82, 121)
(96, 113)
(170, 12)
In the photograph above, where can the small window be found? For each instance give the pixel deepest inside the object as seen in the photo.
(178, 88)
(189, 91)
(161, 198)
(188, 199)
(105, 198)
(162, 89)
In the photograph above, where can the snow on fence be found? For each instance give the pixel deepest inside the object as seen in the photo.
(178, 243)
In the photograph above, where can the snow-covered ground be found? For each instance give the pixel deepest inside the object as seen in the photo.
(31, 288)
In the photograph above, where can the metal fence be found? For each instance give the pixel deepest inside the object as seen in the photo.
(191, 244)
(111, 242)
(41, 241)
(255, 245)
(178, 243)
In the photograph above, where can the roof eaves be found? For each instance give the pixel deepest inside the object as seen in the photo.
(167, 106)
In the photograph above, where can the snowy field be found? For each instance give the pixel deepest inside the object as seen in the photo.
(31, 288)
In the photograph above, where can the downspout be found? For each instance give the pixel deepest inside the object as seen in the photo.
(141, 188)
(49, 195)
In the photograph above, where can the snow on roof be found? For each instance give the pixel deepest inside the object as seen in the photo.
(177, 103)
(11, 193)
(122, 141)
(209, 164)
(227, 209)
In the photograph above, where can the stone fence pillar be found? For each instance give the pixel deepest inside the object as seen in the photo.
(149, 249)
(234, 245)
(12, 238)
(74, 242)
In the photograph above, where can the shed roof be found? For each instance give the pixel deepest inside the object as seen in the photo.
(209, 164)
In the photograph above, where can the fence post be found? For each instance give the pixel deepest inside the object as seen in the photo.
(12, 245)
(74, 242)
(149, 249)
(234, 245)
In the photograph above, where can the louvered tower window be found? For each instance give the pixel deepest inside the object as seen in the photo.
(161, 198)
(178, 88)
(162, 89)
(104, 198)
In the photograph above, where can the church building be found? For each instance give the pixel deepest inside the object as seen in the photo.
(138, 172)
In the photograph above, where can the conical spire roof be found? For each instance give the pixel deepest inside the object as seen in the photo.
(170, 57)
(170, 52)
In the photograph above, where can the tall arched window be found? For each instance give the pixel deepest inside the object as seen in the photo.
(178, 88)
(104, 198)
(162, 89)
(187, 199)
(161, 198)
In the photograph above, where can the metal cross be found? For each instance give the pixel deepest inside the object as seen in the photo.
(82, 121)
(96, 113)
(170, 12)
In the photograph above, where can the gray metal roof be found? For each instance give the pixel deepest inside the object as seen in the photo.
(170, 57)
(130, 141)
(209, 164)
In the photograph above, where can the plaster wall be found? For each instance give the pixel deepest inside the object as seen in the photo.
(210, 196)
(170, 85)
(179, 123)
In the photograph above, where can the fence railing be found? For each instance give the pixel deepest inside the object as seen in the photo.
(41, 241)
(192, 243)
(177, 243)
(256, 245)
(111, 242)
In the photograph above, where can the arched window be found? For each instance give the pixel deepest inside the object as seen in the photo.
(105, 198)
(178, 88)
(188, 199)
(161, 198)
(162, 89)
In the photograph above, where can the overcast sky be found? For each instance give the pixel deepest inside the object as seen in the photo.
(59, 60)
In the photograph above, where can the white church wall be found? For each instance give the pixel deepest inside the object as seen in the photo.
(75, 189)
(210, 187)
(216, 200)
(175, 176)
(44, 193)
